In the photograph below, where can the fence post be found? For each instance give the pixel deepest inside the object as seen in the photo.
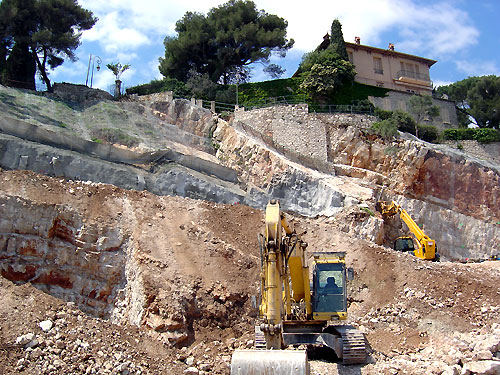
(193, 101)
(199, 102)
(212, 106)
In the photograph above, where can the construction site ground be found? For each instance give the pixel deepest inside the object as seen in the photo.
(419, 317)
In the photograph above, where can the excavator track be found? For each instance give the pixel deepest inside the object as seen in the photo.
(353, 347)
(260, 339)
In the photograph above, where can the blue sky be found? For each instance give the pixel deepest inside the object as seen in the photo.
(463, 35)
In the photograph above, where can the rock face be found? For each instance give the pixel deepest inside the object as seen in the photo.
(462, 185)
(453, 197)
(66, 250)
(181, 113)
(419, 170)
(316, 164)
(53, 249)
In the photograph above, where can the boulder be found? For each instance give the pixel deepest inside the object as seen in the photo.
(481, 368)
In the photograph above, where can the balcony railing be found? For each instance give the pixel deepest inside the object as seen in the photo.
(378, 71)
(413, 75)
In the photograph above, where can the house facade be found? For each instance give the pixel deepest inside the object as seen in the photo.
(405, 75)
(390, 69)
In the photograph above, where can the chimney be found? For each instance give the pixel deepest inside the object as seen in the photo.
(391, 46)
(357, 40)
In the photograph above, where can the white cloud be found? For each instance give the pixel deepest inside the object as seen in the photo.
(152, 68)
(104, 80)
(439, 83)
(150, 16)
(77, 71)
(477, 68)
(113, 37)
(436, 28)
(128, 28)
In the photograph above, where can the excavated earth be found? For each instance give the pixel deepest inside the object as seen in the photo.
(141, 284)
(99, 279)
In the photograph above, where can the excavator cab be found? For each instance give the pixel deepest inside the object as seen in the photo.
(404, 244)
(329, 292)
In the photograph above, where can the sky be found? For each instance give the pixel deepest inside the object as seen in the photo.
(462, 35)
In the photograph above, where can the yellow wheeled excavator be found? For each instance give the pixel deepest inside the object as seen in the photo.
(426, 247)
(296, 310)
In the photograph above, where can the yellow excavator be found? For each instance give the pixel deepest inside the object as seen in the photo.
(294, 310)
(426, 247)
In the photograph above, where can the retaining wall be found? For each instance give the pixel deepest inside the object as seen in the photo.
(397, 100)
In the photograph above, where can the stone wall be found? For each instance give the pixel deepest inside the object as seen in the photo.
(295, 130)
(165, 96)
(397, 100)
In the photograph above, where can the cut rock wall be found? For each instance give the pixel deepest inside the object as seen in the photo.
(53, 249)
(490, 151)
(432, 173)
(455, 197)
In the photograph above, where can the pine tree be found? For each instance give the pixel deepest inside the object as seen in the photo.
(224, 42)
(337, 43)
(41, 33)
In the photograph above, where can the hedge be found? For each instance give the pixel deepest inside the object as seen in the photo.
(482, 135)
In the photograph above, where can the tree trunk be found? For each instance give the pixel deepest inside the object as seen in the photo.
(42, 70)
(118, 86)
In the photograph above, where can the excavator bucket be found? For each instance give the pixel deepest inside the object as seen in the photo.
(269, 362)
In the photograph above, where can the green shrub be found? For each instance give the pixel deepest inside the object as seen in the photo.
(368, 211)
(385, 128)
(428, 133)
(109, 135)
(161, 85)
(482, 135)
(487, 135)
(406, 123)
(382, 114)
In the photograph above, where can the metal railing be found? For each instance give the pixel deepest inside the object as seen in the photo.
(279, 100)
(342, 108)
(378, 71)
(413, 75)
(220, 107)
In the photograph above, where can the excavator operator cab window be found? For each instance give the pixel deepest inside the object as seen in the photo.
(404, 244)
(329, 286)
